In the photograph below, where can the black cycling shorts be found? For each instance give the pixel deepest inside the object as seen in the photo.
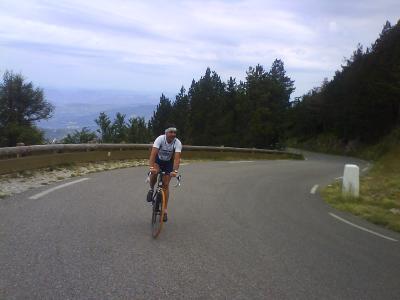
(165, 165)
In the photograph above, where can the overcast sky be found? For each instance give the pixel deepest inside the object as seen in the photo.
(157, 46)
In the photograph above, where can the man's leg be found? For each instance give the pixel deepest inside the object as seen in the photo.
(166, 179)
(153, 180)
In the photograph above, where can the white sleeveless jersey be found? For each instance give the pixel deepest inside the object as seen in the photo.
(165, 150)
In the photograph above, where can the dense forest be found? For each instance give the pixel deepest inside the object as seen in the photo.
(246, 114)
(361, 103)
(212, 112)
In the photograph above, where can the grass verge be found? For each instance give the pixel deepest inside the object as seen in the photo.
(379, 200)
(329, 143)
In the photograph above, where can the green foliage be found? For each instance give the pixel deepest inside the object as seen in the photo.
(161, 116)
(21, 105)
(206, 102)
(105, 128)
(120, 131)
(138, 131)
(379, 192)
(268, 97)
(29, 135)
(212, 112)
(181, 114)
(83, 136)
(374, 152)
(362, 101)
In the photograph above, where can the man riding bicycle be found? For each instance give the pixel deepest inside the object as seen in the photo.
(165, 156)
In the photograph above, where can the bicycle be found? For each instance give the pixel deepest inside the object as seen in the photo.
(158, 203)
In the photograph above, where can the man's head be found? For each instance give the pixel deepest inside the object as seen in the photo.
(170, 132)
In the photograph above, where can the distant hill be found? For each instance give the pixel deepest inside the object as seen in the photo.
(79, 108)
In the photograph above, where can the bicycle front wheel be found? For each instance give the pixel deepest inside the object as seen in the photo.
(158, 214)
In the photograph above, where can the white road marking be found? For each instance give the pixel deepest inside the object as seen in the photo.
(362, 228)
(41, 194)
(314, 189)
(240, 161)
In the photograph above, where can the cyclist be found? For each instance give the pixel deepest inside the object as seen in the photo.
(165, 156)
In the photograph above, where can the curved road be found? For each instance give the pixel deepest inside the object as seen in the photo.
(243, 230)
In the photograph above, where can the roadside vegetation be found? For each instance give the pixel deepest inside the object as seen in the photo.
(252, 113)
(379, 200)
(328, 143)
(21, 106)
(353, 110)
(357, 108)
(357, 113)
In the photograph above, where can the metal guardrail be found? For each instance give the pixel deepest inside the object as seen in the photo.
(21, 158)
(12, 152)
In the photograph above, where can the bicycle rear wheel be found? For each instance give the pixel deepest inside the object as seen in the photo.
(158, 214)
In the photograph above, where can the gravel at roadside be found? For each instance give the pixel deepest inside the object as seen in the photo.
(19, 182)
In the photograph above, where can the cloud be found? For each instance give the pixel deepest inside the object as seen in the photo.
(170, 42)
(333, 26)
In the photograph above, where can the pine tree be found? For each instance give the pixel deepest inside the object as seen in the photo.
(21, 106)
(181, 114)
(105, 128)
(85, 135)
(119, 129)
(206, 103)
(362, 101)
(138, 131)
(161, 116)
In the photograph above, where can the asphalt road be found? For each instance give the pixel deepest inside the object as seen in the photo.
(243, 230)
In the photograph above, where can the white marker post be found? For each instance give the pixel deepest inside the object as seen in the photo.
(351, 181)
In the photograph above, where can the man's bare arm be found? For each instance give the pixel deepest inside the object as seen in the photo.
(177, 160)
(152, 159)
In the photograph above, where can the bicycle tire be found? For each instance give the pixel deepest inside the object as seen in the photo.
(158, 214)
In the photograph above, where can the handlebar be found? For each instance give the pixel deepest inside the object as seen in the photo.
(178, 178)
